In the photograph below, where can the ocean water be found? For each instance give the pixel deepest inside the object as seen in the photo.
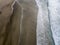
(44, 33)
(54, 8)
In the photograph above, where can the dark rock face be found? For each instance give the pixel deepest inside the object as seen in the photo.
(20, 27)
(5, 14)
(29, 22)
(10, 24)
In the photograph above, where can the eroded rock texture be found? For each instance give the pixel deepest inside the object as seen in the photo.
(5, 14)
(29, 22)
(18, 26)
(9, 23)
